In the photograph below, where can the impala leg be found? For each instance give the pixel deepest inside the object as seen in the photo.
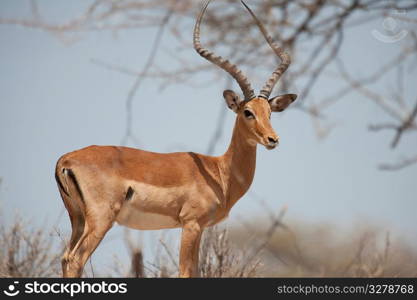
(77, 225)
(77, 231)
(94, 232)
(190, 244)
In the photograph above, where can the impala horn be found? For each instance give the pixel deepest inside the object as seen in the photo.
(285, 59)
(226, 65)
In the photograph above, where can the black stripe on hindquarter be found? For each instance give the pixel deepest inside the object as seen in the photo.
(71, 175)
(60, 185)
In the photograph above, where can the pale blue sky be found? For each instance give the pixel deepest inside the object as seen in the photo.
(54, 100)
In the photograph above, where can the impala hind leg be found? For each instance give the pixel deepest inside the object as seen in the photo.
(77, 225)
(77, 219)
(190, 244)
(94, 231)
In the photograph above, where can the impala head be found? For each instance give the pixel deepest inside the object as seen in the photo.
(253, 112)
(254, 116)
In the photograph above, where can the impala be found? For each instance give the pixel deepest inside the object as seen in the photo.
(101, 185)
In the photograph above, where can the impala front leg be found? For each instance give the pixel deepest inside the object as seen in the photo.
(190, 244)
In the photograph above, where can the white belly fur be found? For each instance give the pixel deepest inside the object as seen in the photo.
(137, 219)
(131, 215)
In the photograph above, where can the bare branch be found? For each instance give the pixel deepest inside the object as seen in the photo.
(399, 165)
(142, 75)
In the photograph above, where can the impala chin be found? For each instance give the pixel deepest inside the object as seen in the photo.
(270, 146)
(270, 143)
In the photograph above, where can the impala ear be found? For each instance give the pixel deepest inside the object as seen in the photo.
(280, 103)
(232, 100)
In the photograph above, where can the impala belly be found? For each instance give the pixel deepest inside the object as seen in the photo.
(148, 205)
(138, 219)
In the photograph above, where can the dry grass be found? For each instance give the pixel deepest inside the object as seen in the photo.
(28, 252)
(219, 257)
(277, 250)
(324, 250)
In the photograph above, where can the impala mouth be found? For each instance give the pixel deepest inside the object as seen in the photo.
(271, 142)
(270, 146)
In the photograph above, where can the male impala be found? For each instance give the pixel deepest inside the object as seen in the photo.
(144, 190)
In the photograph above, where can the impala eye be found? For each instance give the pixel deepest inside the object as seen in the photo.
(248, 114)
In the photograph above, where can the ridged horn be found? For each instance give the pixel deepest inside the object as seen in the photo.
(285, 59)
(226, 65)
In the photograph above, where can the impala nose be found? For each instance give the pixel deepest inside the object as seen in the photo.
(272, 140)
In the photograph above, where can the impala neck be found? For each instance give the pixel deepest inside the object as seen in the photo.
(238, 164)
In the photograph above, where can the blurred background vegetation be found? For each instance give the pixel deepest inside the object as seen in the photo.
(354, 61)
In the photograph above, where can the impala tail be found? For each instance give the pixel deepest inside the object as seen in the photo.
(68, 184)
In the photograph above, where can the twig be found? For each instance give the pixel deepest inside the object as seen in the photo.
(399, 165)
(408, 123)
(169, 253)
